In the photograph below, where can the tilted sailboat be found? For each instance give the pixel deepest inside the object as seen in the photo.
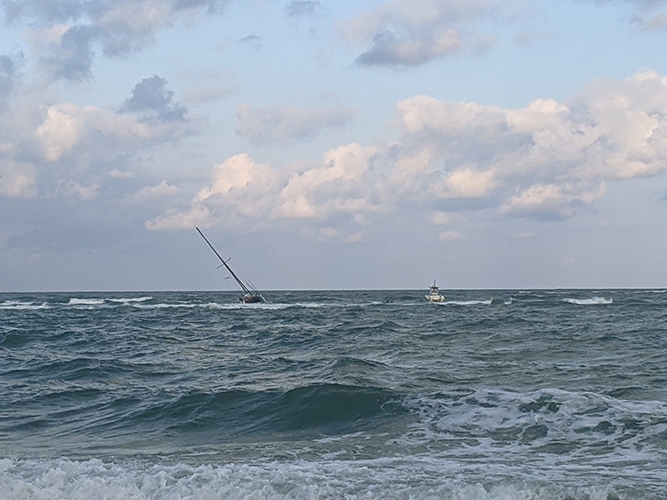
(251, 295)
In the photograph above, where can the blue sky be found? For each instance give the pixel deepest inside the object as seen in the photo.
(333, 145)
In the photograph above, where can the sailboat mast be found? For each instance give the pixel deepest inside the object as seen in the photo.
(238, 280)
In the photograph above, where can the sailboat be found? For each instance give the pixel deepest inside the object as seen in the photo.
(250, 295)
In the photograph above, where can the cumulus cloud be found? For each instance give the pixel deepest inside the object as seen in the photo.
(546, 161)
(89, 133)
(117, 27)
(151, 97)
(66, 150)
(244, 191)
(414, 32)
(264, 125)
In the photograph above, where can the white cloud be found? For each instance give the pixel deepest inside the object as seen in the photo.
(161, 190)
(97, 134)
(236, 174)
(547, 160)
(67, 149)
(175, 219)
(552, 200)
(284, 123)
(61, 130)
(466, 183)
(449, 236)
(337, 186)
(16, 179)
(246, 192)
(440, 219)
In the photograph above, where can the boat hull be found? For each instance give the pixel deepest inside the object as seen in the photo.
(252, 299)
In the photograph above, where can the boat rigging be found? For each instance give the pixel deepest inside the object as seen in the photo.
(251, 295)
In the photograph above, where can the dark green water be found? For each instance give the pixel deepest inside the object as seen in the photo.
(491, 395)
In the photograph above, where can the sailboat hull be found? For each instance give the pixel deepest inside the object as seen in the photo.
(252, 299)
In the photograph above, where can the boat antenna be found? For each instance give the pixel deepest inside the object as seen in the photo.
(224, 263)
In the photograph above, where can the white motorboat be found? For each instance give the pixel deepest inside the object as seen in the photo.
(434, 294)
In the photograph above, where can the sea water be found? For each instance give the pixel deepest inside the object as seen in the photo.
(536, 394)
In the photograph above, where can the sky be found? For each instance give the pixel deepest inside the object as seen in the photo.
(321, 144)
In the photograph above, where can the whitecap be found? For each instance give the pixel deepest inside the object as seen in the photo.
(17, 305)
(131, 300)
(467, 302)
(85, 302)
(588, 302)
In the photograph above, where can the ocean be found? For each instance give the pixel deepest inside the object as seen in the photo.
(494, 394)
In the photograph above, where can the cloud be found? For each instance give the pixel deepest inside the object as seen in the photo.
(552, 201)
(651, 14)
(388, 49)
(7, 76)
(412, 33)
(253, 41)
(117, 27)
(67, 150)
(86, 134)
(246, 192)
(545, 161)
(72, 189)
(127, 27)
(265, 125)
(161, 190)
(71, 57)
(152, 97)
(17, 179)
(302, 7)
(336, 186)
(449, 236)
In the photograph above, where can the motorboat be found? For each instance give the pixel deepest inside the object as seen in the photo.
(434, 294)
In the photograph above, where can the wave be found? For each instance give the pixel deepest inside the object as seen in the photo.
(20, 306)
(390, 477)
(550, 421)
(85, 302)
(322, 407)
(588, 302)
(468, 302)
(131, 300)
